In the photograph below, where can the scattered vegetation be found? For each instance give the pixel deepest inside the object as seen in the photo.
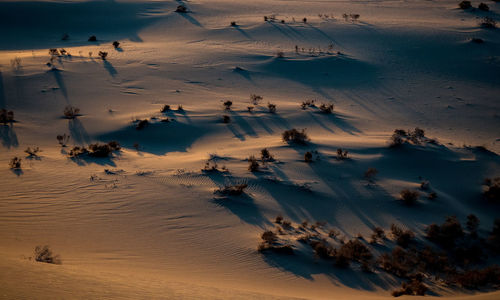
(370, 174)
(416, 137)
(45, 254)
(269, 243)
(95, 150)
(483, 6)
(280, 54)
(92, 38)
(212, 166)
(71, 112)
(413, 287)
(350, 17)
(295, 136)
(402, 237)
(141, 124)
(265, 155)
(165, 108)
(255, 99)
(307, 103)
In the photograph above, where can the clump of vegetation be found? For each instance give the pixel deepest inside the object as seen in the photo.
(378, 235)
(95, 150)
(180, 108)
(272, 108)
(92, 38)
(308, 157)
(71, 112)
(6, 116)
(228, 104)
(63, 139)
(342, 154)
(409, 197)
(477, 40)
(492, 191)
(308, 103)
(295, 136)
(269, 243)
(494, 238)
(280, 54)
(370, 174)
(15, 163)
(472, 225)
(402, 237)
(233, 23)
(253, 164)
(181, 9)
(475, 279)
(255, 99)
(326, 108)
(488, 22)
(265, 155)
(103, 55)
(465, 4)
(45, 254)
(165, 108)
(116, 44)
(483, 6)
(447, 234)
(32, 152)
(141, 124)
(212, 166)
(226, 119)
(413, 287)
(232, 190)
(351, 17)
(400, 137)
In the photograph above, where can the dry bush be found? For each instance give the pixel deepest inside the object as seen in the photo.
(308, 103)
(227, 104)
(399, 262)
(492, 191)
(181, 9)
(271, 107)
(326, 108)
(308, 157)
(447, 234)
(342, 154)
(233, 23)
(475, 279)
(494, 238)
(355, 250)
(322, 249)
(116, 44)
(401, 136)
(212, 166)
(141, 124)
(295, 136)
(15, 163)
(269, 236)
(488, 22)
(401, 236)
(180, 108)
(483, 7)
(278, 219)
(287, 225)
(472, 224)
(45, 254)
(255, 99)
(165, 108)
(92, 38)
(413, 287)
(6, 116)
(63, 139)
(103, 150)
(265, 155)
(32, 152)
(232, 190)
(226, 119)
(409, 197)
(253, 164)
(280, 54)
(465, 4)
(71, 112)
(103, 55)
(77, 152)
(377, 235)
(370, 174)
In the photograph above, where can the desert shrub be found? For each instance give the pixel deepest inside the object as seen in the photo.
(77, 152)
(33, 152)
(326, 108)
(71, 112)
(446, 234)
(271, 107)
(53, 52)
(465, 4)
(233, 23)
(472, 224)
(226, 119)
(250, 109)
(65, 37)
(401, 136)
(232, 190)
(269, 236)
(416, 136)
(165, 108)
(494, 238)
(402, 237)
(295, 136)
(103, 55)
(265, 155)
(424, 185)
(103, 150)
(370, 173)
(280, 54)
(116, 44)
(141, 124)
(492, 192)
(92, 38)
(342, 154)
(341, 261)
(45, 254)
(253, 164)
(483, 6)
(308, 157)
(488, 22)
(6, 116)
(355, 250)
(432, 196)
(398, 137)
(409, 197)
(474, 279)
(477, 40)
(287, 225)
(322, 249)
(308, 103)
(180, 108)
(413, 287)
(432, 261)
(399, 262)
(304, 20)
(63, 139)
(278, 219)
(212, 166)
(227, 104)
(255, 99)
(333, 233)
(181, 9)
(377, 235)
(15, 163)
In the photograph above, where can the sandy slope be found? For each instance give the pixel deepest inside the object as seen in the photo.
(154, 218)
